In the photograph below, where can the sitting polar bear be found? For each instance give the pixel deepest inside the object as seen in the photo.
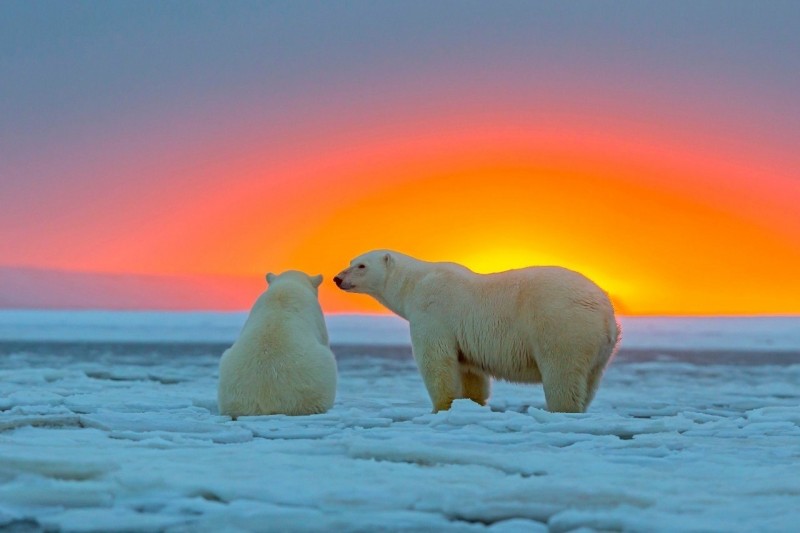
(544, 325)
(281, 362)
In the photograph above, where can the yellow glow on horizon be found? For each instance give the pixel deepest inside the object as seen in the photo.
(653, 249)
(488, 261)
(491, 260)
(664, 228)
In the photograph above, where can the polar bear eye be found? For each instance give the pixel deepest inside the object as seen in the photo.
(362, 266)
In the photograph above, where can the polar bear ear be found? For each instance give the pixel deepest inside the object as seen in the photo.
(388, 259)
(270, 277)
(316, 281)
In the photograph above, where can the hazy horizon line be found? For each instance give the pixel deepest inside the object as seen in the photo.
(356, 313)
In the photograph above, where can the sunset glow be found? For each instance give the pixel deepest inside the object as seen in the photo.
(673, 204)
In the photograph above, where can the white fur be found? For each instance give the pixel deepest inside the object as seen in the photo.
(281, 362)
(544, 325)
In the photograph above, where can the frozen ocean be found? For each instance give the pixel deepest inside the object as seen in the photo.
(108, 422)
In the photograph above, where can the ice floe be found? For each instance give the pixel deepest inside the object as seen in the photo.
(90, 444)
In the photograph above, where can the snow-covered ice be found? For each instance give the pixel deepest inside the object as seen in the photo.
(105, 436)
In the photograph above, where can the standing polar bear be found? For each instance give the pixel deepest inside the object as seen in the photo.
(544, 325)
(281, 362)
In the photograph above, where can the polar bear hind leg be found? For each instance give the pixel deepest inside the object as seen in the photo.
(566, 368)
(569, 362)
(565, 390)
(594, 382)
(475, 385)
(599, 368)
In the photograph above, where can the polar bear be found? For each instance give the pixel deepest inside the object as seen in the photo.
(281, 362)
(544, 325)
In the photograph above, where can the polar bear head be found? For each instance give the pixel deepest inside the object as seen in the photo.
(295, 277)
(367, 273)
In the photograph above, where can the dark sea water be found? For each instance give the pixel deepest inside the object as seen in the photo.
(149, 353)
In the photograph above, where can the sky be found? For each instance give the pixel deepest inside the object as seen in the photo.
(652, 146)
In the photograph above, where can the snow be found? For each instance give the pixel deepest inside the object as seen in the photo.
(105, 437)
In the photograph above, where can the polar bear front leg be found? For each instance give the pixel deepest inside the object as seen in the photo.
(437, 360)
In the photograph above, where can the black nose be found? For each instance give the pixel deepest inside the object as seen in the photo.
(338, 281)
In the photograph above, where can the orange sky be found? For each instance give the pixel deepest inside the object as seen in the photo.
(218, 149)
(664, 231)
(665, 228)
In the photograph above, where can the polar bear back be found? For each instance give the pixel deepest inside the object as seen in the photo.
(283, 316)
(281, 363)
(508, 323)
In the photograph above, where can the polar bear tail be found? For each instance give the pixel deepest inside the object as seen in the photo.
(613, 338)
(615, 335)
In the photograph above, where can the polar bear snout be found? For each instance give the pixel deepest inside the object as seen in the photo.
(341, 281)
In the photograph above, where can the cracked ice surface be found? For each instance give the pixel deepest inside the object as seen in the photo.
(132, 441)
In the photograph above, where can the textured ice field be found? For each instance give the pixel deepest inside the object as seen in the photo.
(111, 436)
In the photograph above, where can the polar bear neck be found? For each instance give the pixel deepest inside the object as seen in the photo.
(286, 301)
(289, 297)
(400, 282)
